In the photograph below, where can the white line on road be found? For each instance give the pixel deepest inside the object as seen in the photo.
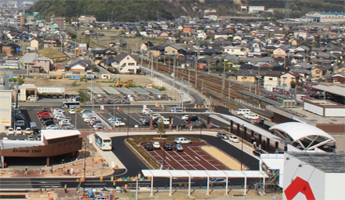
(184, 160)
(204, 159)
(194, 160)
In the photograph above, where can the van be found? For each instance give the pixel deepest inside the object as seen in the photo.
(176, 109)
(242, 111)
(19, 123)
(34, 128)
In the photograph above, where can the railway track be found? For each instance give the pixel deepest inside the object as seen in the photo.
(208, 84)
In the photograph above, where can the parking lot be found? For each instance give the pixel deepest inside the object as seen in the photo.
(191, 158)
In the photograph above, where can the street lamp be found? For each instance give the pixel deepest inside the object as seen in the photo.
(242, 148)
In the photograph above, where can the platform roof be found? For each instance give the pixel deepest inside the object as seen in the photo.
(140, 90)
(110, 90)
(125, 91)
(54, 134)
(154, 91)
(96, 90)
(9, 144)
(226, 119)
(297, 130)
(258, 97)
(331, 89)
(204, 173)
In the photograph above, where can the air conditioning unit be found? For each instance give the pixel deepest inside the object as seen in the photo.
(289, 103)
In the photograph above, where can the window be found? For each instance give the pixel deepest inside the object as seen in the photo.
(270, 79)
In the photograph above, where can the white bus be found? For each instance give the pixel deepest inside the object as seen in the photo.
(71, 104)
(103, 141)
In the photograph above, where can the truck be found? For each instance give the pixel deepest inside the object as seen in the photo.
(182, 140)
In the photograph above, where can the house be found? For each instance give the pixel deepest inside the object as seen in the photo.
(10, 49)
(339, 78)
(239, 51)
(285, 79)
(173, 49)
(125, 64)
(280, 53)
(37, 43)
(146, 46)
(79, 65)
(42, 64)
(51, 41)
(318, 71)
(28, 60)
(271, 79)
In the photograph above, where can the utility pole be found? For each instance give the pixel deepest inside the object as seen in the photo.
(174, 78)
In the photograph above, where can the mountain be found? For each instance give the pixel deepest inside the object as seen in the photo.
(135, 10)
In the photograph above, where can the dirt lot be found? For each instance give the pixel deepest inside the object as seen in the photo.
(69, 89)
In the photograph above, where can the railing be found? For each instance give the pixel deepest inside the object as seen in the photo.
(248, 104)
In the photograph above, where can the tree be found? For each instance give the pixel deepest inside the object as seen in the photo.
(160, 127)
(293, 84)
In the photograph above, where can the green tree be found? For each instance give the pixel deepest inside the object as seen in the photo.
(293, 84)
(160, 127)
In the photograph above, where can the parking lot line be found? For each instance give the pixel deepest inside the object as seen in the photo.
(184, 160)
(162, 159)
(203, 158)
(134, 118)
(192, 159)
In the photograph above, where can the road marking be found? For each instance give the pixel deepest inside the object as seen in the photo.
(133, 118)
(194, 160)
(204, 159)
(197, 158)
(176, 160)
(184, 160)
(165, 163)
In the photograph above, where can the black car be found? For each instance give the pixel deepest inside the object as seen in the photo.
(47, 123)
(48, 118)
(222, 135)
(167, 147)
(49, 96)
(148, 147)
(193, 118)
(258, 152)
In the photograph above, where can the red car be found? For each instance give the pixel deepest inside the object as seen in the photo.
(42, 112)
(44, 115)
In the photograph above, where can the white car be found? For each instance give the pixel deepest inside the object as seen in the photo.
(118, 123)
(185, 117)
(252, 116)
(71, 111)
(113, 119)
(19, 131)
(156, 145)
(52, 127)
(146, 111)
(10, 131)
(182, 140)
(234, 139)
(58, 110)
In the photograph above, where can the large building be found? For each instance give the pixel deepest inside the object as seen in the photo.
(53, 143)
(60, 21)
(325, 16)
(5, 103)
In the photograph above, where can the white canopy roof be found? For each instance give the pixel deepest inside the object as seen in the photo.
(53, 134)
(9, 144)
(298, 130)
(203, 173)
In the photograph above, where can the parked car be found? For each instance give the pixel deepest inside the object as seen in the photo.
(47, 123)
(28, 131)
(98, 126)
(71, 111)
(42, 112)
(233, 139)
(178, 147)
(156, 145)
(10, 131)
(182, 140)
(118, 123)
(44, 115)
(113, 118)
(218, 181)
(185, 117)
(258, 152)
(146, 111)
(85, 111)
(52, 127)
(260, 121)
(46, 118)
(58, 110)
(242, 111)
(167, 147)
(222, 135)
(251, 116)
(19, 131)
(148, 147)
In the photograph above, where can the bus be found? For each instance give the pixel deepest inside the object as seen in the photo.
(71, 104)
(103, 141)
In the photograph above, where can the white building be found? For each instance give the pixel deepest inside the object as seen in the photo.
(256, 9)
(5, 104)
(325, 16)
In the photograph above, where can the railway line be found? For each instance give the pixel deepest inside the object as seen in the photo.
(208, 84)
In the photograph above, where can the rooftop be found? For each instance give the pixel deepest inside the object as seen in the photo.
(326, 162)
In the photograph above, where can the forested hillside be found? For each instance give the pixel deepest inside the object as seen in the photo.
(133, 10)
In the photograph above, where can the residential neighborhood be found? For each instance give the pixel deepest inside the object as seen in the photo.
(194, 102)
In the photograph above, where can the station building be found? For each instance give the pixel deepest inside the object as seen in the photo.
(53, 143)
